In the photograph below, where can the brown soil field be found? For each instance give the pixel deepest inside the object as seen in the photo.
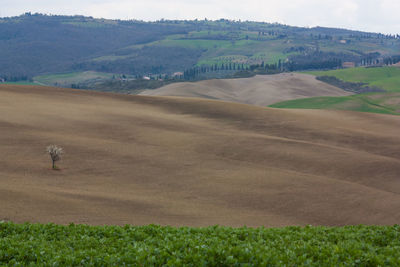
(183, 161)
(261, 90)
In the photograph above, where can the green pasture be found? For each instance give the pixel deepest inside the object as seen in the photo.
(387, 78)
(386, 103)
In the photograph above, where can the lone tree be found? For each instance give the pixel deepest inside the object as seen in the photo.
(55, 153)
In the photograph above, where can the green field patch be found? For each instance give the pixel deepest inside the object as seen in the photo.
(385, 103)
(186, 43)
(323, 102)
(197, 43)
(387, 78)
(243, 52)
(80, 245)
(215, 35)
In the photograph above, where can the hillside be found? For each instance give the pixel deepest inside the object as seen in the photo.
(385, 78)
(386, 103)
(35, 44)
(260, 90)
(180, 161)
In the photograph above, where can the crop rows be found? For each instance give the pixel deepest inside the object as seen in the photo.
(56, 245)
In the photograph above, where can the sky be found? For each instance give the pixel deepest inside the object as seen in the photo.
(366, 15)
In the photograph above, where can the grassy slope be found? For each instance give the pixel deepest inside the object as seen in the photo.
(77, 245)
(375, 103)
(65, 44)
(218, 51)
(387, 78)
(255, 50)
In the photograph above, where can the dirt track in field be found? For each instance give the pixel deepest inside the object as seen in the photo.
(181, 161)
(261, 90)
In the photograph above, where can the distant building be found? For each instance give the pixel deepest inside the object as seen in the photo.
(348, 64)
(177, 74)
(343, 41)
(146, 78)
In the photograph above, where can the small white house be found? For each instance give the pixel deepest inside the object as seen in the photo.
(177, 74)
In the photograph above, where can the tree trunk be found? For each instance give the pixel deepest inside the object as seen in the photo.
(54, 164)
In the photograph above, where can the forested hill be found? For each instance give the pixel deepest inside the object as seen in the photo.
(34, 44)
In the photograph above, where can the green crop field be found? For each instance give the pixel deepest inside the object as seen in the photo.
(387, 78)
(77, 245)
(386, 103)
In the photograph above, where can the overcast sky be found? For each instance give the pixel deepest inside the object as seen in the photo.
(367, 15)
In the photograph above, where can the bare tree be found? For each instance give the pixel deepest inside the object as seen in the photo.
(55, 153)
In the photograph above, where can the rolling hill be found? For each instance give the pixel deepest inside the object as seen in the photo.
(37, 44)
(182, 161)
(386, 103)
(385, 78)
(261, 90)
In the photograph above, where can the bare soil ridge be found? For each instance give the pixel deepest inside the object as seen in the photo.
(181, 161)
(261, 90)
